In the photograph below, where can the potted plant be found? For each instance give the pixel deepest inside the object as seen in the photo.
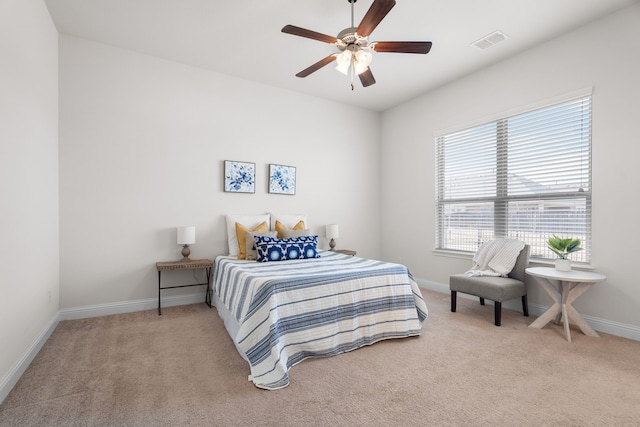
(562, 248)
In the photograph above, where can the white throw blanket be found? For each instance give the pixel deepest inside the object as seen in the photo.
(496, 258)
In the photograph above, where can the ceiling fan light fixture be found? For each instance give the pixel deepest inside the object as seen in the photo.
(364, 57)
(343, 61)
(361, 62)
(359, 68)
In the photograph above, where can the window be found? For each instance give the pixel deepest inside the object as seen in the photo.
(527, 177)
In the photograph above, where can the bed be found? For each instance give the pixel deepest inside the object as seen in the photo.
(280, 313)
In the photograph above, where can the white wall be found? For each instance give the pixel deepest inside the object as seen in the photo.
(142, 145)
(28, 182)
(604, 55)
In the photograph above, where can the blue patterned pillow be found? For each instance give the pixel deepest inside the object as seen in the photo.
(273, 249)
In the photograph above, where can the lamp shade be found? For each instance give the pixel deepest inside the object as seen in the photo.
(186, 235)
(344, 61)
(332, 231)
(362, 61)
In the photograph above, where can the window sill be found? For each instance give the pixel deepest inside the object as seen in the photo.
(532, 262)
(453, 254)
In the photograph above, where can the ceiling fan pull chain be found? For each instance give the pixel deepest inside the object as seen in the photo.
(351, 73)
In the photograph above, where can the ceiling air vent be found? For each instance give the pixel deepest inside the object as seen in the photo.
(490, 40)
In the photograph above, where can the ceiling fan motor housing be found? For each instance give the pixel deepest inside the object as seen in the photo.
(350, 40)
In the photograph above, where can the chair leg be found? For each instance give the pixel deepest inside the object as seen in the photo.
(525, 306)
(498, 312)
(481, 301)
(454, 295)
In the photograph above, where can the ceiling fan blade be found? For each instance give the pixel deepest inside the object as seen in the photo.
(402, 47)
(317, 66)
(366, 78)
(374, 16)
(302, 32)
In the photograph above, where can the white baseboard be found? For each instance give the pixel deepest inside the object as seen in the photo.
(601, 325)
(128, 306)
(12, 377)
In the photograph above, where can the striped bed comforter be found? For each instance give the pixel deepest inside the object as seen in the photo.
(287, 311)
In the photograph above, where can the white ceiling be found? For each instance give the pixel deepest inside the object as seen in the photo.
(242, 38)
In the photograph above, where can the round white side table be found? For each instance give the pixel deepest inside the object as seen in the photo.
(564, 287)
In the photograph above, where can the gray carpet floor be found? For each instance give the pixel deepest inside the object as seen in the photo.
(181, 369)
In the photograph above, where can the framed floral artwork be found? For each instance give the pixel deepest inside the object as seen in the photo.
(282, 179)
(239, 177)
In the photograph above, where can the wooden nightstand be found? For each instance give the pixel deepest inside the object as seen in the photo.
(206, 264)
(346, 252)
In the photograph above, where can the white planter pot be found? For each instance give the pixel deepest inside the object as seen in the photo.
(563, 264)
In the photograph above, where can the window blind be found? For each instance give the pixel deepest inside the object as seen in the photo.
(526, 176)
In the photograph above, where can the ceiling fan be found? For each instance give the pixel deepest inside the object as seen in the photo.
(354, 48)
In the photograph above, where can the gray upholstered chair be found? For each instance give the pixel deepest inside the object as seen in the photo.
(496, 289)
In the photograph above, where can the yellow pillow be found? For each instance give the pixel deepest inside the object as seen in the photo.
(280, 227)
(241, 231)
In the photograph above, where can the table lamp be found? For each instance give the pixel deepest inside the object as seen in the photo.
(332, 232)
(186, 237)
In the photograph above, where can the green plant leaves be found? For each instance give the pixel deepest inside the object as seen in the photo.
(563, 247)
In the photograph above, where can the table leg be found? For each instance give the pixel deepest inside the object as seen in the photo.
(566, 289)
(554, 310)
(159, 289)
(207, 298)
(565, 321)
(574, 293)
(562, 308)
(558, 317)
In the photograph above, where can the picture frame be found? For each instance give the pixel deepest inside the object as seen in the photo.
(282, 179)
(239, 177)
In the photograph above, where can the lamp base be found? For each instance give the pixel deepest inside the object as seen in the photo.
(332, 244)
(185, 253)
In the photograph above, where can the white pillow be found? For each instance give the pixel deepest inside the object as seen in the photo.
(288, 220)
(249, 221)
